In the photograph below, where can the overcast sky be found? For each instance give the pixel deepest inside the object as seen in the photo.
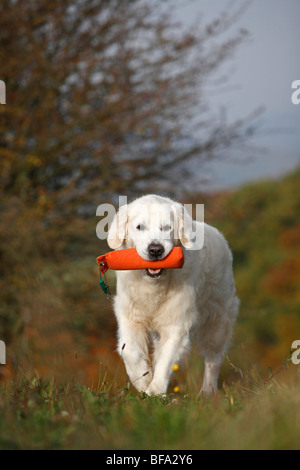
(263, 71)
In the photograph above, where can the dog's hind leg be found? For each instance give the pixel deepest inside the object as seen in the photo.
(215, 342)
(211, 375)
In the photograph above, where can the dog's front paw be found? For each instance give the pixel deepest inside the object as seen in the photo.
(142, 383)
(156, 389)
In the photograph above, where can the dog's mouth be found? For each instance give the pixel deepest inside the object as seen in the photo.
(154, 273)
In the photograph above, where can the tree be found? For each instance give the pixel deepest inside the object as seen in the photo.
(101, 97)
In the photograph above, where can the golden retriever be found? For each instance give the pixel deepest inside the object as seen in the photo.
(165, 308)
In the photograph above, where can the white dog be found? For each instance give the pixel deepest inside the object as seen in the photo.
(160, 309)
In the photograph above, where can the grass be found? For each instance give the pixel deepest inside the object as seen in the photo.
(249, 413)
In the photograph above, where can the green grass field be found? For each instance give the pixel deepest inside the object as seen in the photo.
(250, 413)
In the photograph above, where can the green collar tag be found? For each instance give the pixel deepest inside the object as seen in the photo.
(104, 286)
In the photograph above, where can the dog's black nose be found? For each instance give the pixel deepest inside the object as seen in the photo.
(155, 250)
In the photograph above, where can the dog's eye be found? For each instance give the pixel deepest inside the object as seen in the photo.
(140, 227)
(166, 228)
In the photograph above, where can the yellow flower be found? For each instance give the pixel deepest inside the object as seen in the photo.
(176, 389)
(175, 367)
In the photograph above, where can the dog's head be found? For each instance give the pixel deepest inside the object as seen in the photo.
(153, 225)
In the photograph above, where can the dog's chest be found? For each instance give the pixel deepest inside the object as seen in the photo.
(147, 301)
(148, 297)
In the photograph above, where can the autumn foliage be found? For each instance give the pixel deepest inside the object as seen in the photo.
(105, 97)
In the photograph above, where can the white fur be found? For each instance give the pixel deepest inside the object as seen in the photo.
(197, 300)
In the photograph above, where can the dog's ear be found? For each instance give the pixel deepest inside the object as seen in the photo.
(184, 226)
(117, 230)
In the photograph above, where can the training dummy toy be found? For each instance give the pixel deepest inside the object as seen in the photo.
(129, 259)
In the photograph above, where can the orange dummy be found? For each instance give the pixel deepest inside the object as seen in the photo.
(129, 259)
